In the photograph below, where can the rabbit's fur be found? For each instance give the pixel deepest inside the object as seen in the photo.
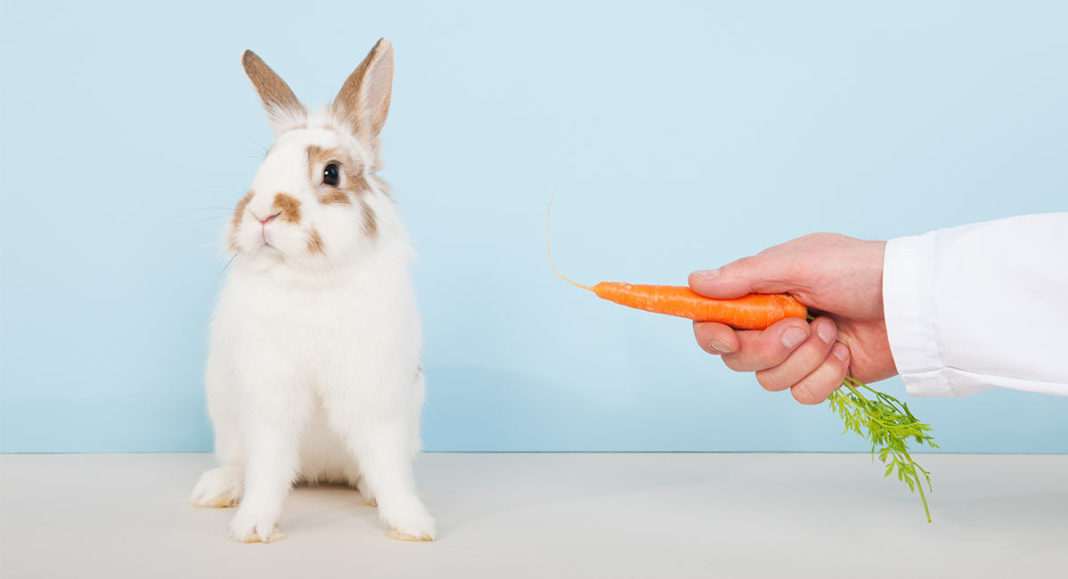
(314, 369)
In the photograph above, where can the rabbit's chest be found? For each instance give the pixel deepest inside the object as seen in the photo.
(319, 322)
(328, 320)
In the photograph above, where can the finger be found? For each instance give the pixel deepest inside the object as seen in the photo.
(817, 386)
(802, 361)
(758, 350)
(764, 273)
(715, 338)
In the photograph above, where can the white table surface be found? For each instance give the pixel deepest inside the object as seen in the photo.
(555, 515)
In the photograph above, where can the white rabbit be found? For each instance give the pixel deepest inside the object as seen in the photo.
(314, 371)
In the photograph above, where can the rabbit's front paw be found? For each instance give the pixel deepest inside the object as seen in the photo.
(411, 523)
(219, 488)
(250, 527)
(365, 492)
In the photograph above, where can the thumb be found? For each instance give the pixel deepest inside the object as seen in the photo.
(758, 274)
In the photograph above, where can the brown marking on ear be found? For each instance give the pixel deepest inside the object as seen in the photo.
(363, 101)
(273, 91)
(370, 220)
(288, 207)
(315, 242)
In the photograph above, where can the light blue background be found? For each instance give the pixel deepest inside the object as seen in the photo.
(682, 135)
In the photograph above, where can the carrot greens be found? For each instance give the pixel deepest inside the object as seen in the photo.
(889, 425)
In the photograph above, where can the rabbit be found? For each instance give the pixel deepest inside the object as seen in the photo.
(314, 373)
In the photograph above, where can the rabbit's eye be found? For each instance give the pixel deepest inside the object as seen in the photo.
(331, 175)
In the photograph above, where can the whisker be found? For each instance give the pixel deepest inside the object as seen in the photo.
(223, 187)
(203, 209)
(211, 218)
(263, 150)
(226, 267)
(330, 262)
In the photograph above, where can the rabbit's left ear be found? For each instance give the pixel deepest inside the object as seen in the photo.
(363, 101)
(283, 108)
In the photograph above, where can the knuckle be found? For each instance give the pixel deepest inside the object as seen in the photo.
(817, 386)
(804, 394)
(763, 359)
(769, 357)
(734, 362)
(806, 359)
(836, 367)
(768, 382)
(840, 372)
(740, 265)
(823, 237)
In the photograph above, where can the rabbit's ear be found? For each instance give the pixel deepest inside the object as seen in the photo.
(363, 101)
(283, 108)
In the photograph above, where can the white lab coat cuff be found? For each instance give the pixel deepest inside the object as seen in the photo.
(909, 309)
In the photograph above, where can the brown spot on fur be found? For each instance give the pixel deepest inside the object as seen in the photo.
(315, 242)
(239, 214)
(353, 184)
(353, 180)
(239, 210)
(335, 197)
(288, 207)
(370, 220)
(356, 181)
(318, 157)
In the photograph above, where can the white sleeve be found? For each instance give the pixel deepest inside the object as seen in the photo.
(980, 306)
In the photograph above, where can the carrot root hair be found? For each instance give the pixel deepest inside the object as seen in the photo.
(549, 247)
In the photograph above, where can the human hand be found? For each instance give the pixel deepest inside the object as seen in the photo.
(840, 280)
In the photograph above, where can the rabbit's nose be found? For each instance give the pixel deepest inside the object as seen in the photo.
(267, 219)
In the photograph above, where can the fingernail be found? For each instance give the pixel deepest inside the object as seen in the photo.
(707, 272)
(840, 351)
(718, 346)
(792, 337)
(826, 331)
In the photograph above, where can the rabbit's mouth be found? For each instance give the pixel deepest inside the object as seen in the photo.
(265, 250)
(270, 250)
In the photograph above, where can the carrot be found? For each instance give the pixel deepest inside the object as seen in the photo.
(751, 312)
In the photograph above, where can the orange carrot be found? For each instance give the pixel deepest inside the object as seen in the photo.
(751, 312)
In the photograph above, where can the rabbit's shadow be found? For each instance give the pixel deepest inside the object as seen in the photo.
(325, 506)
